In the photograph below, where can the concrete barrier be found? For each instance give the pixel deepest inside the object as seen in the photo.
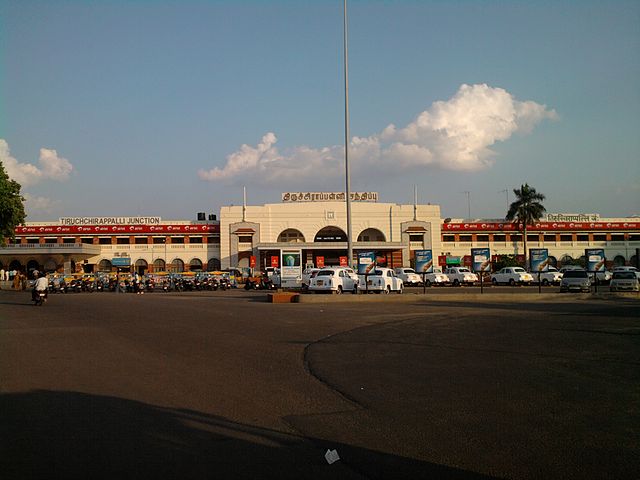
(283, 297)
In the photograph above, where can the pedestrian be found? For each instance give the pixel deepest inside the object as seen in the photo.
(17, 281)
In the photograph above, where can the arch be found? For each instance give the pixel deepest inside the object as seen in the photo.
(213, 265)
(176, 266)
(566, 260)
(16, 265)
(195, 265)
(33, 265)
(618, 261)
(371, 235)
(50, 265)
(553, 261)
(104, 265)
(330, 234)
(159, 265)
(141, 266)
(291, 235)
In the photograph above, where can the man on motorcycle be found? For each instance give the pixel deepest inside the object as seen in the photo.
(41, 285)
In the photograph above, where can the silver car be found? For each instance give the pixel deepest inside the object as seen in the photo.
(624, 281)
(575, 280)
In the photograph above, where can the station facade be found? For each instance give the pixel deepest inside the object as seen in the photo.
(315, 223)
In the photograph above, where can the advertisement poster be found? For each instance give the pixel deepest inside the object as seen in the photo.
(343, 262)
(481, 259)
(320, 262)
(594, 258)
(252, 261)
(275, 261)
(291, 267)
(539, 258)
(366, 262)
(424, 261)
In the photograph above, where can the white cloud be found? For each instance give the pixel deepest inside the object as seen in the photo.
(455, 135)
(51, 166)
(40, 205)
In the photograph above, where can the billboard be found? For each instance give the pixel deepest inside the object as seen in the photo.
(481, 259)
(344, 262)
(366, 262)
(291, 267)
(594, 259)
(320, 262)
(275, 261)
(539, 258)
(424, 261)
(121, 261)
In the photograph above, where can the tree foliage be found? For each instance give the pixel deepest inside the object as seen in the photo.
(12, 211)
(526, 210)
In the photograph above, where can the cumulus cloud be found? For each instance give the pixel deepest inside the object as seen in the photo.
(51, 166)
(456, 134)
(40, 205)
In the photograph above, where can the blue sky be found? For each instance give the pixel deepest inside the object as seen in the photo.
(143, 107)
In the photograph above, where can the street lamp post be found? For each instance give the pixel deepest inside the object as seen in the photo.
(346, 140)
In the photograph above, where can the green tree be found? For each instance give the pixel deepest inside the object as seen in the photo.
(12, 211)
(526, 210)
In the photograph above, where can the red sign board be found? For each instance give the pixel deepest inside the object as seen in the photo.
(442, 260)
(320, 262)
(466, 260)
(539, 226)
(275, 261)
(252, 261)
(343, 262)
(116, 229)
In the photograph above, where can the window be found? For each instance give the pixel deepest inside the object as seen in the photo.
(482, 238)
(416, 237)
(195, 240)
(122, 240)
(104, 240)
(87, 240)
(159, 240)
(465, 238)
(50, 240)
(617, 237)
(566, 238)
(550, 238)
(449, 238)
(244, 239)
(583, 237)
(68, 240)
(141, 240)
(212, 239)
(516, 237)
(600, 237)
(499, 238)
(533, 238)
(178, 240)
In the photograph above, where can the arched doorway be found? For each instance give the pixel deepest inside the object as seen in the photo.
(104, 265)
(159, 265)
(16, 265)
(50, 265)
(618, 261)
(213, 265)
(291, 235)
(141, 266)
(177, 266)
(330, 234)
(553, 261)
(31, 266)
(195, 265)
(371, 235)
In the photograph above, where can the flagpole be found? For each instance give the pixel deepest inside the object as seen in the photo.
(346, 141)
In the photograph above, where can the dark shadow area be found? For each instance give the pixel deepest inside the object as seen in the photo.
(47, 434)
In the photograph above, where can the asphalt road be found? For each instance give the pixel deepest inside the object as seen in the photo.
(224, 385)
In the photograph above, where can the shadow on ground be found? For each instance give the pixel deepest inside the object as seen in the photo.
(48, 434)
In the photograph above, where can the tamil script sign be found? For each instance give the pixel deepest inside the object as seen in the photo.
(289, 197)
(572, 217)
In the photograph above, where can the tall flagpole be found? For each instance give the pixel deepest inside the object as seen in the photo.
(346, 140)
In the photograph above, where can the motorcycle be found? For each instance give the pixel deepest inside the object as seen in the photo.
(39, 297)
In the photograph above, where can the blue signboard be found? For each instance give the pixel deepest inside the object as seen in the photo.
(594, 259)
(121, 261)
(481, 259)
(539, 258)
(424, 261)
(366, 262)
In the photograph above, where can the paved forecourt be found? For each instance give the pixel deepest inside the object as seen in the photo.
(224, 384)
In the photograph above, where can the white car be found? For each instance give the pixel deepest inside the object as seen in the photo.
(436, 278)
(624, 280)
(382, 280)
(307, 275)
(512, 276)
(551, 276)
(408, 276)
(334, 280)
(461, 276)
(627, 268)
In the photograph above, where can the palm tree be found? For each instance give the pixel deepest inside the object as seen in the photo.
(526, 210)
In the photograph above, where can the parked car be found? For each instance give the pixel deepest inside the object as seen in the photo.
(603, 276)
(461, 276)
(334, 280)
(624, 280)
(436, 278)
(577, 280)
(408, 276)
(512, 276)
(549, 276)
(627, 268)
(382, 280)
(307, 275)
